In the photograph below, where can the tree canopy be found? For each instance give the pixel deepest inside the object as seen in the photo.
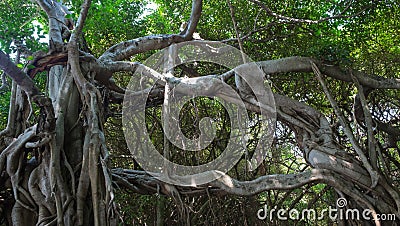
(73, 71)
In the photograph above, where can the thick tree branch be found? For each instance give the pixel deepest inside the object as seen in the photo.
(147, 184)
(22, 79)
(272, 182)
(227, 185)
(45, 5)
(126, 49)
(27, 84)
(284, 65)
(56, 12)
(193, 21)
(82, 17)
(302, 64)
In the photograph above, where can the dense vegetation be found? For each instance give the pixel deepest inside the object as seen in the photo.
(333, 67)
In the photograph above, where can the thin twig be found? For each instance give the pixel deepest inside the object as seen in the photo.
(232, 11)
(297, 20)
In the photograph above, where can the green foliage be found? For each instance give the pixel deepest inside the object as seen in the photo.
(17, 23)
(110, 22)
(136, 209)
(4, 105)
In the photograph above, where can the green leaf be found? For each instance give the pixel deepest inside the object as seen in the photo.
(68, 16)
(20, 65)
(30, 58)
(30, 66)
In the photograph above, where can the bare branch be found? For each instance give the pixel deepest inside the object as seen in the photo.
(17, 75)
(285, 65)
(56, 12)
(147, 184)
(271, 182)
(82, 17)
(302, 64)
(122, 66)
(73, 51)
(126, 49)
(45, 5)
(193, 21)
(227, 185)
(232, 11)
